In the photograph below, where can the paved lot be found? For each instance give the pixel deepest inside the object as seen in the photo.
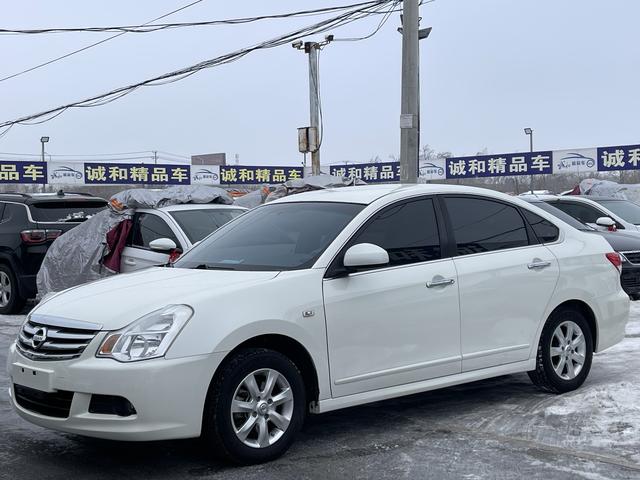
(495, 429)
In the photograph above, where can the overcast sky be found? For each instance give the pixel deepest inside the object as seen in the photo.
(569, 69)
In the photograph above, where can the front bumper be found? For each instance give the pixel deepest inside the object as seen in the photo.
(168, 395)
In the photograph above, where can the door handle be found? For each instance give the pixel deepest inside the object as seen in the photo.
(538, 265)
(440, 283)
(130, 261)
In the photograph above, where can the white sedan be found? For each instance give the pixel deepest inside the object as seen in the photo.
(162, 233)
(316, 302)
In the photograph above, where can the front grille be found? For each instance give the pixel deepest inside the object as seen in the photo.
(633, 257)
(52, 404)
(53, 342)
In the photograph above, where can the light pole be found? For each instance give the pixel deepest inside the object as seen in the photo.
(529, 131)
(43, 140)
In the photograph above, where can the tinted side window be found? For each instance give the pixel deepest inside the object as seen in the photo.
(545, 230)
(14, 213)
(147, 228)
(408, 232)
(583, 213)
(484, 225)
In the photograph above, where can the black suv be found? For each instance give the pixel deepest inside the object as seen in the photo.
(28, 226)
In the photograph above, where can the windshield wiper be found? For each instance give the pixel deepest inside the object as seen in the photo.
(204, 266)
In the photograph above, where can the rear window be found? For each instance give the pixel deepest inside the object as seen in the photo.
(66, 211)
(197, 224)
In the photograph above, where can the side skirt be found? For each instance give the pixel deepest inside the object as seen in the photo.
(410, 388)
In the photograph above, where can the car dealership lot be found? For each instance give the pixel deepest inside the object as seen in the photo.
(499, 428)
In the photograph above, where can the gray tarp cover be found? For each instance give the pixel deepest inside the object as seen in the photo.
(607, 188)
(75, 257)
(316, 182)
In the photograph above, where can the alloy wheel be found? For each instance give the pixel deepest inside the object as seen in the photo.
(5, 289)
(568, 350)
(261, 408)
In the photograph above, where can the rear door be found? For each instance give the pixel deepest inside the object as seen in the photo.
(506, 278)
(146, 228)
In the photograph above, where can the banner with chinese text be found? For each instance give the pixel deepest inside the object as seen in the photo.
(368, 172)
(136, 173)
(251, 175)
(23, 172)
(504, 164)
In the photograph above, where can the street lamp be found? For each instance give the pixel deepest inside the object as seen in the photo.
(529, 131)
(43, 140)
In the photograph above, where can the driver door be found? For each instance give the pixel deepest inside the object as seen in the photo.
(399, 323)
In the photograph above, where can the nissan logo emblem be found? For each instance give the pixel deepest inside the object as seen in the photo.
(39, 338)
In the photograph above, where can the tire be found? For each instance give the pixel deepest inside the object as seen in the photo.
(551, 374)
(10, 299)
(254, 414)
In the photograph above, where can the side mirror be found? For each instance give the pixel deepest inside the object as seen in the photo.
(365, 255)
(164, 245)
(607, 222)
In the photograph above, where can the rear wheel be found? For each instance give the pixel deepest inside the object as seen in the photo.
(565, 352)
(10, 299)
(255, 407)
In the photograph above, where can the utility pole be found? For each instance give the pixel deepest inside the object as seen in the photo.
(409, 103)
(312, 49)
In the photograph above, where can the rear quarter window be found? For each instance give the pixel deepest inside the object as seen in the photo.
(546, 231)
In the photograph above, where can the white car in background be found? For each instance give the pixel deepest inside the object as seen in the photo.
(161, 234)
(598, 212)
(316, 302)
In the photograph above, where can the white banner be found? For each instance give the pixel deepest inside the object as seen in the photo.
(65, 173)
(432, 170)
(205, 174)
(576, 161)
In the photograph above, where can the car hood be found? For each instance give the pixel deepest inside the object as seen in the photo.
(119, 300)
(621, 241)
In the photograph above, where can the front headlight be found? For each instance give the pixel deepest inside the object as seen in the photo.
(148, 337)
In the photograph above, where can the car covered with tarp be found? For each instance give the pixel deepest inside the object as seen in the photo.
(97, 247)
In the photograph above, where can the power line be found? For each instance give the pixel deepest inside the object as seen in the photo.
(102, 99)
(87, 47)
(146, 28)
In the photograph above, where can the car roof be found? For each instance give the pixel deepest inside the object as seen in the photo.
(196, 206)
(366, 194)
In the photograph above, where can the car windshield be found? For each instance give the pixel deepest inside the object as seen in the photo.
(625, 209)
(281, 236)
(66, 211)
(198, 223)
(566, 218)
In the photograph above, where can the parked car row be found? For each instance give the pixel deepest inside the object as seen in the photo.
(30, 223)
(316, 302)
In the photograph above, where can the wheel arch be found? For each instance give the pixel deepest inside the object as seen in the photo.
(584, 308)
(290, 348)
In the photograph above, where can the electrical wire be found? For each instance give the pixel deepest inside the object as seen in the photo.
(91, 45)
(378, 28)
(174, 76)
(146, 28)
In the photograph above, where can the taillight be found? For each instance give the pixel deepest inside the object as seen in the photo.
(36, 237)
(615, 259)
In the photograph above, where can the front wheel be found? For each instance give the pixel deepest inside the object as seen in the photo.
(565, 352)
(255, 407)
